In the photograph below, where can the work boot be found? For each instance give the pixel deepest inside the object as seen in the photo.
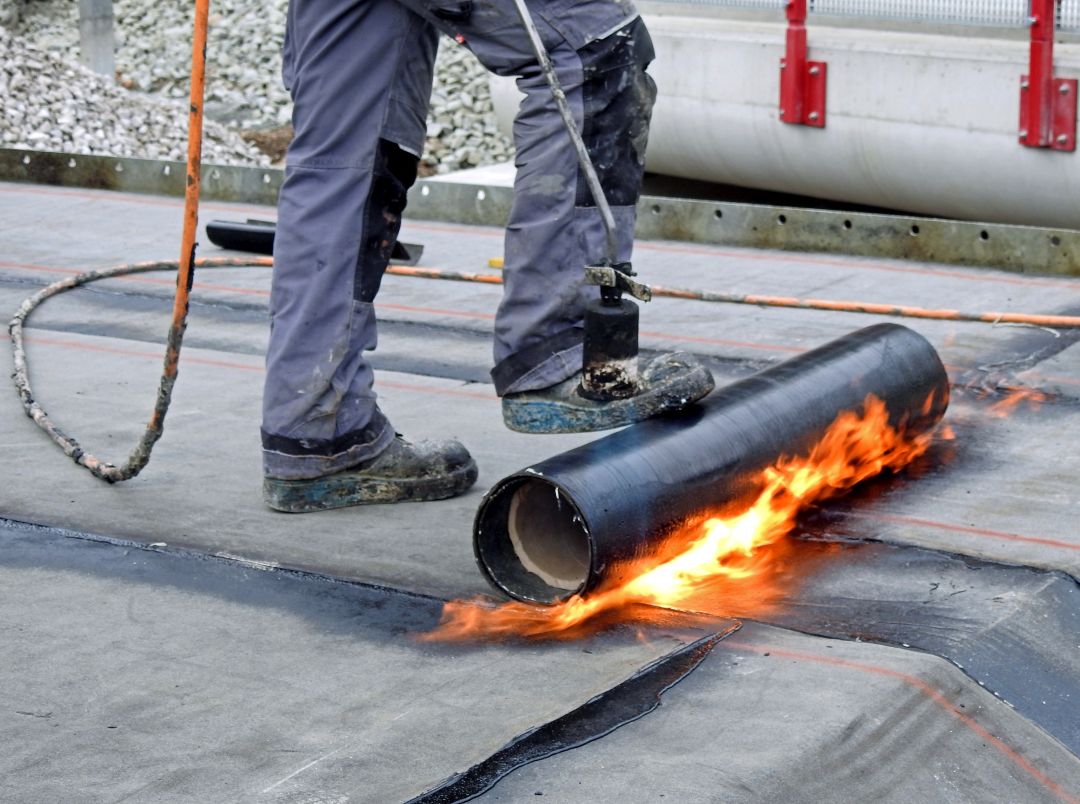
(403, 472)
(666, 384)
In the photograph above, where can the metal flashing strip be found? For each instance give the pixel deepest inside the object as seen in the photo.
(248, 185)
(1022, 249)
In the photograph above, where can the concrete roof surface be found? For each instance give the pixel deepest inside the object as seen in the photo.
(172, 639)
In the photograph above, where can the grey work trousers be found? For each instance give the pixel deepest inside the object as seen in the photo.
(360, 74)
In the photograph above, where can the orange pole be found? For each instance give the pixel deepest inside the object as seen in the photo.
(186, 272)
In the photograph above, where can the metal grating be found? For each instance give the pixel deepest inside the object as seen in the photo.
(1005, 13)
(764, 5)
(990, 13)
(1069, 15)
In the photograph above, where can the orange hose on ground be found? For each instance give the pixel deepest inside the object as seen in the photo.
(869, 308)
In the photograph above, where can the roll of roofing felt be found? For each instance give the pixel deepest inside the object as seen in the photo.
(584, 517)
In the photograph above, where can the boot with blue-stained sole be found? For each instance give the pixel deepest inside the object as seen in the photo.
(403, 472)
(666, 384)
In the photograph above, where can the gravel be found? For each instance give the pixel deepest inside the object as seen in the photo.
(53, 104)
(244, 90)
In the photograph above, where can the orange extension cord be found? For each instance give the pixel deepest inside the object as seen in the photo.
(185, 266)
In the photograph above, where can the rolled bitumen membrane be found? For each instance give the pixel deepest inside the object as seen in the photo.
(586, 516)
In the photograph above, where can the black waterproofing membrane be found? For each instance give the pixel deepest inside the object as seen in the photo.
(610, 502)
(1011, 631)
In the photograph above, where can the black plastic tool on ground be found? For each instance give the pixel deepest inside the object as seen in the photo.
(257, 237)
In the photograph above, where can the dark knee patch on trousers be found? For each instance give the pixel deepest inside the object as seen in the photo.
(618, 97)
(393, 174)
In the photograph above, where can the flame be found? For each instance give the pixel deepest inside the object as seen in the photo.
(1017, 397)
(735, 562)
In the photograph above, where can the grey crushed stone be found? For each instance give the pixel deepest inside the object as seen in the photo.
(244, 88)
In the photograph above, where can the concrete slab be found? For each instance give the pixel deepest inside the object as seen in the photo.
(302, 689)
(203, 487)
(212, 429)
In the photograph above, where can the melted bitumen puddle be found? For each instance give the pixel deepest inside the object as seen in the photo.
(626, 702)
(992, 372)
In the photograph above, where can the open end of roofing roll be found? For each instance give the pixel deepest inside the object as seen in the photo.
(532, 541)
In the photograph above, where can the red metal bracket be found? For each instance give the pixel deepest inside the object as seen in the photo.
(802, 82)
(1047, 104)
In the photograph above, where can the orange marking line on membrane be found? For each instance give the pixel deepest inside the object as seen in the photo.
(788, 258)
(150, 280)
(751, 254)
(813, 260)
(493, 279)
(926, 689)
(402, 270)
(405, 308)
(972, 531)
(789, 302)
(246, 291)
(204, 361)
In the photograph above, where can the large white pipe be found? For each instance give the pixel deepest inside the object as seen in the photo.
(923, 122)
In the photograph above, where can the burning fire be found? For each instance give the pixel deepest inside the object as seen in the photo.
(735, 556)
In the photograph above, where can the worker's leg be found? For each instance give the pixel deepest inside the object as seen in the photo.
(555, 228)
(600, 50)
(360, 74)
